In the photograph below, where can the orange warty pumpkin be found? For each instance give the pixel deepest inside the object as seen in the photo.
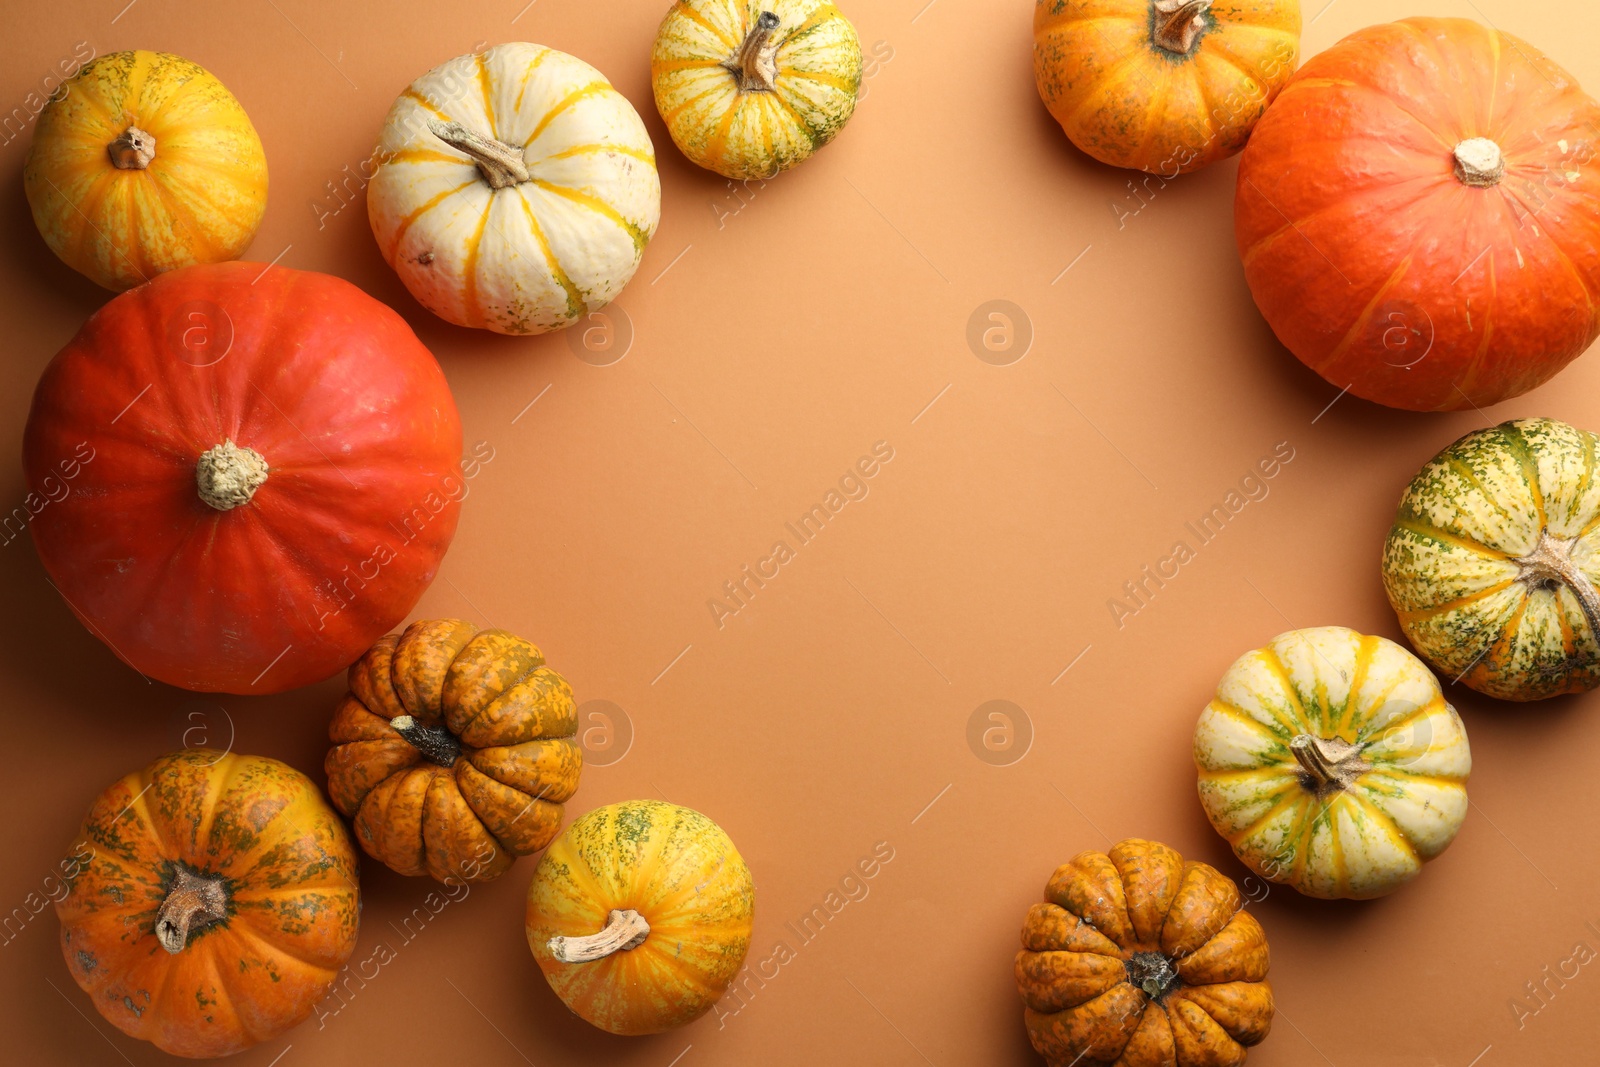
(217, 903)
(453, 751)
(1165, 86)
(1143, 960)
(1419, 215)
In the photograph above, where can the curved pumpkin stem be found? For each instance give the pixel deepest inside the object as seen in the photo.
(1551, 562)
(1177, 24)
(623, 930)
(133, 150)
(436, 743)
(228, 475)
(500, 164)
(194, 902)
(755, 64)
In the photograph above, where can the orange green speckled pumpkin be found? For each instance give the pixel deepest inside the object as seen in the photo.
(1141, 959)
(752, 89)
(1330, 760)
(453, 751)
(1494, 557)
(1165, 86)
(213, 904)
(640, 916)
(145, 162)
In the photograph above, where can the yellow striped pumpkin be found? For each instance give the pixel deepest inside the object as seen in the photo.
(752, 89)
(640, 915)
(1330, 761)
(144, 163)
(515, 190)
(1494, 556)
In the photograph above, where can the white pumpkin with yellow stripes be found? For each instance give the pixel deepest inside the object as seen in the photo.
(516, 190)
(1331, 761)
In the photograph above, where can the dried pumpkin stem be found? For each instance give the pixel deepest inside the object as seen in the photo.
(228, 475)
(436, 743)
(133, 150)
(500, 164)
(1479, 162)
(623, 930)
(755, 64)
(1152, 972)
(194, 902)
(1332, 763)
(1175, 25)
(1550, 563)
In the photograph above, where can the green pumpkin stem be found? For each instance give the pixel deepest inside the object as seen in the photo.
(500, 164)
(623, 930)
(1176, 24)
(194, 902)
(755, 64)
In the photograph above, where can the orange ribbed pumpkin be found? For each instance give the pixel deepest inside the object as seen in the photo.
(1419, 215)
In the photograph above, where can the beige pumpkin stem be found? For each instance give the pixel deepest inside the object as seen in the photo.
(500, 164)
(1479, 162)
(1333, 763)
(133, 150)
(194, 902)
(1176, 24)
(228, 475)
(755, 64)
(1550, 563)
(623, 930)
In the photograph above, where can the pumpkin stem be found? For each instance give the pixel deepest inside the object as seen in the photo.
(500, 164)
(1479, 162)
(436, 743)
(1550, 563)
(755, 64)
(133, 150)
(228, 475)
(623, 930)
(1332, 763)
(194, 902)
(1175, 25)
(1153, 973)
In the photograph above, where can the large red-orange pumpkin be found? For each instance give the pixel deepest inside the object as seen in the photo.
(246, 475)
(1419, 215)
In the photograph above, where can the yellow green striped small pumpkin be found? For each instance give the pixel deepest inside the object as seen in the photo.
(640, 915)
(749, 89)
(1492, 561)
(515, 190)
(1331, 761)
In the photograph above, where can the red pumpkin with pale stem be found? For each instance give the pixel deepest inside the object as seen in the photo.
(1419, 215)
(249, 475)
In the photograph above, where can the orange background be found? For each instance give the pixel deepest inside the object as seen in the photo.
(778, 334)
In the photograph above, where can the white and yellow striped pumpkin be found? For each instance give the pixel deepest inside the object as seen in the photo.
(1494, 556)
(516, 189)
(1331, 761)
(749, 89)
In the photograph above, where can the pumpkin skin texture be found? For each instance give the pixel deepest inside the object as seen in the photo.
(142, 164)
(1493, 558)
(516, 190)
(1141, 959)
(1331, 762)
(1419, 217)
(640, 915)
(453, 751)
(750, 90)
(217, 905)
(307, 410)
(1164, 86)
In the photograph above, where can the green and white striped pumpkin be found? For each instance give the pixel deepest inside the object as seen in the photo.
(1492, 561)
(1331, 762)
(516, 190)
